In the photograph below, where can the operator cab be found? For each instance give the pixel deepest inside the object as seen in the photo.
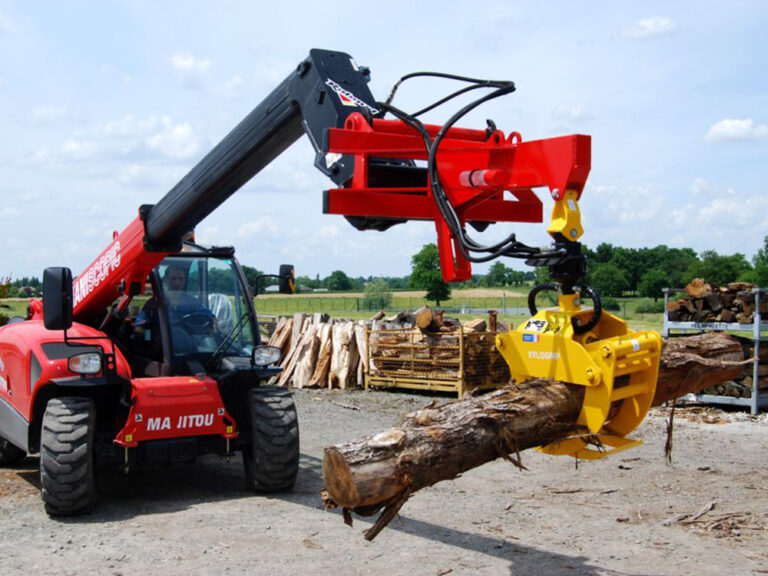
(198, 317)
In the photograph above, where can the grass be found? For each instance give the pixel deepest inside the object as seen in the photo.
(14, 307)
(352, 307)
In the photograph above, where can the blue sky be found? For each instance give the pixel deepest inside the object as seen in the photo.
(106, 105)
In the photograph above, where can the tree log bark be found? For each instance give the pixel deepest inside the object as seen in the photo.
(435, 444)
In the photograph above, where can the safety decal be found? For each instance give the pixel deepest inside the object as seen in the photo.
(536, 325)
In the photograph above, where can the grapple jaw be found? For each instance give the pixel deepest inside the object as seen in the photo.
(617, 366)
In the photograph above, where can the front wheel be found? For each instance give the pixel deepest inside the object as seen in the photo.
(66, 456)
(271, 459)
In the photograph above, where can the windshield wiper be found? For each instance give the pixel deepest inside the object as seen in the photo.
(228, 340)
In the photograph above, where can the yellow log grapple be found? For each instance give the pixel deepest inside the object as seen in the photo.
(587, 347)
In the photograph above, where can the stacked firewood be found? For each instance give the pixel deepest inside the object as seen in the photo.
(742, 385)
(708, 302)
(321, 352)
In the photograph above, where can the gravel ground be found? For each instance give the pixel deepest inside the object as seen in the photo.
(623, 515)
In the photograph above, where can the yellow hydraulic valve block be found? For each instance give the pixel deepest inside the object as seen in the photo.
(617, 366)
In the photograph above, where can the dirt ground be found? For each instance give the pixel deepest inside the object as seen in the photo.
(623, 515)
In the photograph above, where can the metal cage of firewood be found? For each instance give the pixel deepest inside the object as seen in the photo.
(751, 325)
(456, 361)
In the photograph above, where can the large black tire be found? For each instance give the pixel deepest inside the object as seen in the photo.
(272, 459)
(9, 453)
(66, 456)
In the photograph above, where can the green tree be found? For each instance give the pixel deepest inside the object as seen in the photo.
(338, 281)
(377, 295)
(498, 275)
(760, 260)
(254, 278)
(717, 268)
(609, 280)
(652, 283)
(426, 274)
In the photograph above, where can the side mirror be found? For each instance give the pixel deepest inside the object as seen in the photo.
(57, 298)
(287, 279)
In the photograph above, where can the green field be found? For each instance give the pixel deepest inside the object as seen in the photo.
(511, 308)
(341, 306)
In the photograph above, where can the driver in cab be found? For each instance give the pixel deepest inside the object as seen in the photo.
(184, 310)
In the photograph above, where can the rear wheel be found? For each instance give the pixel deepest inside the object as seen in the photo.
(66, 456)
(9, 453)
(272, 459)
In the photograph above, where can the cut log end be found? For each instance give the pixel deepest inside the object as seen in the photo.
(338, 479)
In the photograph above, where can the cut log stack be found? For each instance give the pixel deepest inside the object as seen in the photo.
(733, 303)
(320, 352)
(708, 302)
(741, 385)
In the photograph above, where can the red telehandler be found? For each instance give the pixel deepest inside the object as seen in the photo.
(152, 354)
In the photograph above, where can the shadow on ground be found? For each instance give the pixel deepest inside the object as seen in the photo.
(166, 490)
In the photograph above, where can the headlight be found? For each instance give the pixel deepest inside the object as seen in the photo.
(86, 363)
(265, 355)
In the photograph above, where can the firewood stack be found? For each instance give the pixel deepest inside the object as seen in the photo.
(321, 352)
(741, 385)
(708, 302)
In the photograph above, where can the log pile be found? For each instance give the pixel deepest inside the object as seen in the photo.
(741, 386)
(708, 302)
(733, 303)
(381, 472)
(321, 352)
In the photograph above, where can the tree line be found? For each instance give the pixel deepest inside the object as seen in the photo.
(612, 270)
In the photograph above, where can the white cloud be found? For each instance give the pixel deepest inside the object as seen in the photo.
(130, 125)
(703, 188)
(635, 204)
(649, 27)
(208, 235)
(736, 129)
(263, 224)
(176, 141)
(190, 69)
(151, 138)
(149, 176)
(9, 212)
(188, 63)
(77, 148)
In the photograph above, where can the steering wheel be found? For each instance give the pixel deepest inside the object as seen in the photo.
(197, 322)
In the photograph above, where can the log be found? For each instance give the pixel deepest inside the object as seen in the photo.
(362, 351)
(344, 356)
(323, 365)
(435, 444)
(423, 317)
(307, 356)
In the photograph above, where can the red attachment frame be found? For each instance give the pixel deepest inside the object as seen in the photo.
(475, 170)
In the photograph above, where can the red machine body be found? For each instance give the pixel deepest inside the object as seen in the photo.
(476, 169)
(175, 407)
